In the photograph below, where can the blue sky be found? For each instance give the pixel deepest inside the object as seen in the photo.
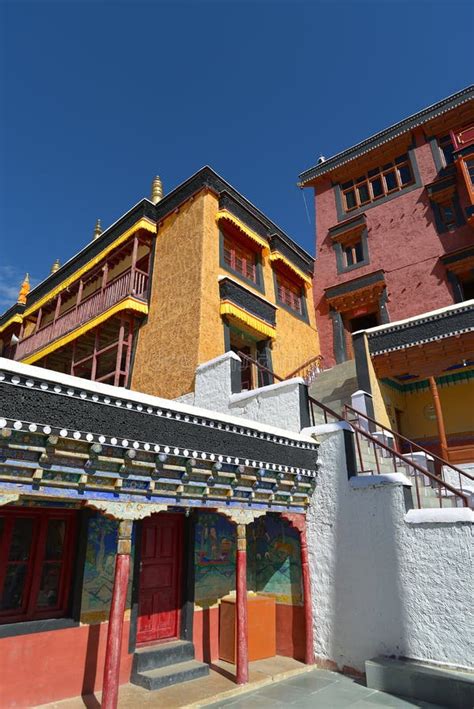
(98, 97)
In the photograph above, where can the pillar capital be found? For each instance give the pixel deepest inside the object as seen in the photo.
(6, 498)
(240, 516)
(298, 521)
(126, 510)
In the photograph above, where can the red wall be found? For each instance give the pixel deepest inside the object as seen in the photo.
(46, 667)
(402, 240)
(290, 633)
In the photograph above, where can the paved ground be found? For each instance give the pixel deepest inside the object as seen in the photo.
(278, 682)
(318, 689)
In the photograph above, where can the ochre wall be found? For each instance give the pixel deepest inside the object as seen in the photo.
(456, 403)
(295, 342)
(184, 327)
(39, 668)
(168, 342)
(402, 240)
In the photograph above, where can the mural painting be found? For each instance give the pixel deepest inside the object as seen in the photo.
(273, 559)
(99, 569)
(214, 557)
(273, 550)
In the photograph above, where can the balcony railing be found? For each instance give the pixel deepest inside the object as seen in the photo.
(134, 283)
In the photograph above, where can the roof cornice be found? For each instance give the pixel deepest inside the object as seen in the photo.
(386, 135)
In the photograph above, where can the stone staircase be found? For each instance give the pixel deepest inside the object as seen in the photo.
(373, 459)
(162, 665)
(334, 387)
(386, 464)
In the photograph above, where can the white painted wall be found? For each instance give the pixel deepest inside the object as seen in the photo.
(384, 583)
(274, 405)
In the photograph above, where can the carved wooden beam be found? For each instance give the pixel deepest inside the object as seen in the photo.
(126, 510)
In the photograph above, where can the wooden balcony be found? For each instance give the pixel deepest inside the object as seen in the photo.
(131, 283)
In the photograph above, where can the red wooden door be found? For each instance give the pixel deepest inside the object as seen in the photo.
(160, 578)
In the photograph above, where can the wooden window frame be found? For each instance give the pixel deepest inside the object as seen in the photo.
(41, 517)
(443, 142)
(466, 168)
(352, 247)
(442, 207)
(249, 257)
(380, 173)
(289, 294)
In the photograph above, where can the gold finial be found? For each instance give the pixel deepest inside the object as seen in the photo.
(97, 229)
(156, 190)
(56, 266)
(24, 290)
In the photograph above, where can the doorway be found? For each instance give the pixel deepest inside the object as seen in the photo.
(363, 322)
(360, 322)
(161, 563)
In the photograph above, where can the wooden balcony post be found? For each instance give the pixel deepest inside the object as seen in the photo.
(118, 360)
(439, 419)
(134, 264)
(105, 273)
(57, 308)
(38, 320)
(79, 293)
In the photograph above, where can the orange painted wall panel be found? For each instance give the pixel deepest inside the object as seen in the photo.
(46, 667)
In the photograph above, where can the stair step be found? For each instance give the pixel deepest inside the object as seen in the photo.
(429, 683)
(172, 674)
(162, 655)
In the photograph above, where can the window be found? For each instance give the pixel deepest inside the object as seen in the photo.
(446, 147)
(447, 214)
(353, 254)
(240, 259)
(289, 293)
(35, 563)
(467, 286)
(377, 183)
(470, 170)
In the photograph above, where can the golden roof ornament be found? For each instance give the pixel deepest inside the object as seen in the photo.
(24, 290)
(156, 190)
(56, 266)
(97, 229)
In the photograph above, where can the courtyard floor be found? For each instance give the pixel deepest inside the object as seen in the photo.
(276, 682)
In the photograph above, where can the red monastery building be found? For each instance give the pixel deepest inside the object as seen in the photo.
(394, 223)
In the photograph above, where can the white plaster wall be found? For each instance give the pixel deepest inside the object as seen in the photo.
(380, 585)
(274, 405)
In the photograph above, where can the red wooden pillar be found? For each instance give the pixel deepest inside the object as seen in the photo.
(298, 521)
(308, 611)
(241, 607)
(117, 609)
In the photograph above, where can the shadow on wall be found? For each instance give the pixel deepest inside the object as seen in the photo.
(354, 557)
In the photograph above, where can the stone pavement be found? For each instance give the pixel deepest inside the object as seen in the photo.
(318, 689)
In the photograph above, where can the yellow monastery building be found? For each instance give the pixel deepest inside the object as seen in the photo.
(176, 281)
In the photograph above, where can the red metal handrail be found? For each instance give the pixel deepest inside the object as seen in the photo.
(361, 433)
(413, 447)
(311, 366)
(394, 455)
